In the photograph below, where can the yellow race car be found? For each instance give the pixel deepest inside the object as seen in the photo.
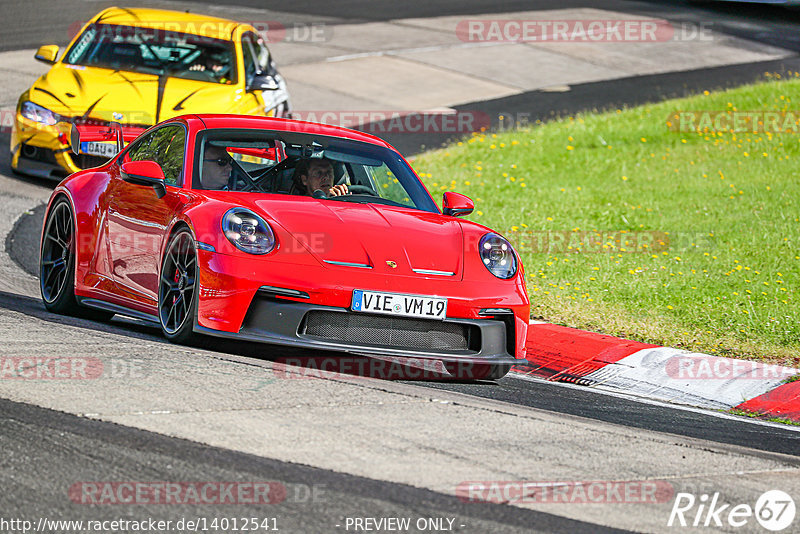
(137, 67)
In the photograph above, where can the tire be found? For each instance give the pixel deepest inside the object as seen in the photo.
(177, 288)
(57, 261)
(476, 371)
(57, 265)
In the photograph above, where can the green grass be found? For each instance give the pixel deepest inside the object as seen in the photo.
(711, 220)
(755, 415)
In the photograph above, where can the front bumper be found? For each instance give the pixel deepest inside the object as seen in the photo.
(308, 306)
(44, 151)
(37, 150)
(312, 326)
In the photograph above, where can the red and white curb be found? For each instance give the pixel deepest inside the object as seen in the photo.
(562, 354)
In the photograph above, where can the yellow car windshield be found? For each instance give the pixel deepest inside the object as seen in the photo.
(154, 51)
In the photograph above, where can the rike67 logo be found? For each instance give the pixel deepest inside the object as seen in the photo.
(774, 510)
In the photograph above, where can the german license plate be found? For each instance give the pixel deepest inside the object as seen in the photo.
(419, 306)
(98, 148)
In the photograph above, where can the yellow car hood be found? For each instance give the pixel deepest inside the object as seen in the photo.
(128, 97)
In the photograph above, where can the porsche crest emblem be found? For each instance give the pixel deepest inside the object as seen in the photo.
(391, 264)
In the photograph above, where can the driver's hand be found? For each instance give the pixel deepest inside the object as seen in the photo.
(338, 190)
(197, 66)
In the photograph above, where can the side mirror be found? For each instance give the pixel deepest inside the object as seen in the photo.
(75, 139)
(94, 139)
(147, 173)
(456, 204)
(47, 54)
(263, 82)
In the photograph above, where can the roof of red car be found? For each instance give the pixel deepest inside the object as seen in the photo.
(271, 123)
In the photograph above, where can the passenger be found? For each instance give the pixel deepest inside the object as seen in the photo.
(216, 168)
(317, 174)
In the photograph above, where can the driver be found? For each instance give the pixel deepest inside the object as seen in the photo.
(216, 168)
(317, 174)
(215, 64)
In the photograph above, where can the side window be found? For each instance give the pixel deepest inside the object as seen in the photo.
(262, 52)
(167, 148)
(250, 59)
(140, 151)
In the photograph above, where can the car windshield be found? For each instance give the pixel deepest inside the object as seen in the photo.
(154, 51)
(257, 161)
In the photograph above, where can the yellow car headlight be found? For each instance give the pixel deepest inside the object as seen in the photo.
(37, 113)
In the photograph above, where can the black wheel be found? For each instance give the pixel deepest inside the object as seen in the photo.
(177, 289)
(57, 265)
(57, 261)
(476, 371)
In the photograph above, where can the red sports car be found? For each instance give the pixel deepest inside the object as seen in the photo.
(282, 232)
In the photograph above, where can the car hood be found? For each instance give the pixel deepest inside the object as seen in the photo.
(126, 97)
(389, 239)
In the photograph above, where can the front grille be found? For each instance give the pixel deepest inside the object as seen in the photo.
(386, 331)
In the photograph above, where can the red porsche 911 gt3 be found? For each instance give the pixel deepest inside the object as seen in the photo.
(282, 232)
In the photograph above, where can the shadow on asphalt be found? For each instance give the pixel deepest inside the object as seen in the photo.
(288, 361)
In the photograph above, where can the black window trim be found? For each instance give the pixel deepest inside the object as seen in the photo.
(153, 130)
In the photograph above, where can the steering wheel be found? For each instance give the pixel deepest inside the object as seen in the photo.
(361, 190)
(195, 74)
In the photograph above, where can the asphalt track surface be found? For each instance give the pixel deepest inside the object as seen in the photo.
(29, 23)
(572, 400)
(540, 105)
(44, 451)
(59, 448)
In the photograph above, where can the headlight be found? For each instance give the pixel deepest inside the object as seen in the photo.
(498, 256)
(37, 113)
(247, 231)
